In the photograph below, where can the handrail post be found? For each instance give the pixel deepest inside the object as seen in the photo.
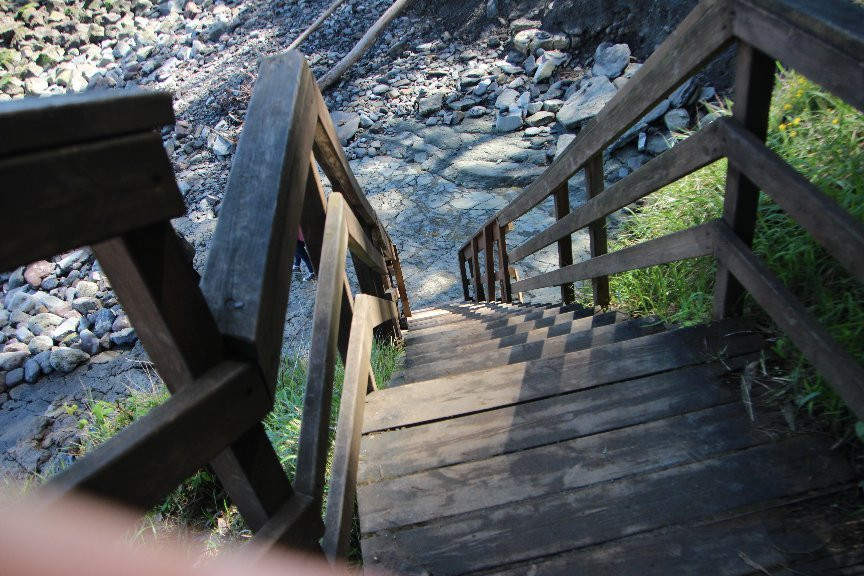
(475, 269)
(400, 282)
(597, 230)
(489, 248)
(503, 264)
(463, 274)
(561, 195)
(754, 84)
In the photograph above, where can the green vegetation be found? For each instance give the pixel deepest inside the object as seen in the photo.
(199, 511)
(821, 137)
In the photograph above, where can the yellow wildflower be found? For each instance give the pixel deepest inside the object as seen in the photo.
(835, 121)
(799, 93)
(797, 121)
(787, 107)
(793, 133)
(782, 127)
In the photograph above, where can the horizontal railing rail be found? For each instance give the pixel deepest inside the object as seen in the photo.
(216, 344)
(805, 35)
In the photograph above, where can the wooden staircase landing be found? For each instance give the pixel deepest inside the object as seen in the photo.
(541, 441)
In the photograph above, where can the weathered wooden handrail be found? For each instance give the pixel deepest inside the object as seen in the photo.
(804, 34)
(216, 346)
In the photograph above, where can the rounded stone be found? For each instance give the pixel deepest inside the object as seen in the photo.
(40, 344)
(67, 359)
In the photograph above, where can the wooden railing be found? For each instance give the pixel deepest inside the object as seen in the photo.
(94, 169)
(821, 39)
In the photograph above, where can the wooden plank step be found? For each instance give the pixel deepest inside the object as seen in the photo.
(540, 348)
(802, 538)
(757, 478)
(516, 476)
(487, 434)
(450, 396)
(477, 326)
(476, 313)
(560, 323)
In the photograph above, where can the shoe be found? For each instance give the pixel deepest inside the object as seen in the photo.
(309, 276)
(295, 268)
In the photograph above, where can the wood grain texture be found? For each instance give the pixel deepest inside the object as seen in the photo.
(839, 368)
(479, 296)
(561, 196)
(503, 264)
(361, 245)
(174, 439)
(129, 178)
(840, 233)
(314, 431)
(453, 395)
(599, 245)
(369, 312)
(489, 260)
(820, 39)
(596, 514)
(690, 243)
(33, 124)
(296, 525)
(704, 33)
(754, 83)
(522, 475)
(248, 273)
(400, 283)
(685, 157)
(547, 421)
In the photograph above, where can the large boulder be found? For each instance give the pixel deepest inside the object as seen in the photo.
(610, 59)
(586, 102)
(67, 359)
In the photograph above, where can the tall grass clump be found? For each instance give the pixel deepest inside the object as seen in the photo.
(823, 138)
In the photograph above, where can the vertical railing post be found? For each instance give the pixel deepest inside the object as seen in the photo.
(754, 84)
(597, 230)
(503, 264)
(489, 247)
(475, 269)
(463, 274)
(561, 195)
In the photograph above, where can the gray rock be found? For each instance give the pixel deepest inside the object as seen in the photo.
(44, 322)
(86, 305)
(586, 102)
(477, 112)
(540, 119)
(86, 289)
(44, 361)
(552, 105)
(23, 334)
(380, 89)
(14, 377)
(508, 121)
(563, 141)
(72, 260)
(66, 328)
(610, 59)
(216, 30)
(528, 41)
(124, 337)
(507, 99)
(431, 104)
(656, 144)
(676, 119)
(50, 283)
(682, 94)
(12, 360)
(67, 359)
(656, 112)
(36, 271)
(491, 8)
(102, 321)
(4, 315)
(462, 105)
(32, 370)
(508, 68)
(521, 24)
(221, 146)
(482, 87)
(16, 280)
(121, 323)
(89, 342)
(40, 344)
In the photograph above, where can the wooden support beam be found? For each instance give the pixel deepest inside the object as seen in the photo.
(690, 243)
(463, 275)
(597, 229)
(400, 282)
(754, 84)
(503, 265)
(475, 269)
(489, 260)
(561, 196)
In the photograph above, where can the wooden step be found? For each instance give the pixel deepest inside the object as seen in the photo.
(462, 362)
(480, 312)
(479, 325)
(449, 396)
(445, 349)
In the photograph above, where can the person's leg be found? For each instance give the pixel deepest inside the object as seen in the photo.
(299, 252)
(304, 255)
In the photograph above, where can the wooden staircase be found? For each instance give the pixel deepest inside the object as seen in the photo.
(524, 440)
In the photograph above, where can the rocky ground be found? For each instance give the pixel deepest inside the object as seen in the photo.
(442, 131)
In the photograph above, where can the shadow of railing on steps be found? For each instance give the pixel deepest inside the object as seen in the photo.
(821, 39)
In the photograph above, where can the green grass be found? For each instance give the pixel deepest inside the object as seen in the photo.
(199, 512)
(821, 137)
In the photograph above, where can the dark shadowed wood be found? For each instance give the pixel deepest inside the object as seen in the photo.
(521, 475)
(547, 421)
(838, 367)
(704, 33)
(453, 395)
(559, 522)
(314, 437)
(129, 178)
(489, 260)
(503, 265)
(687, 156)
(32, 124)
(561, 196)
(248, 272)
(597, 229)
(839, 232)
(690, 243)
(297, 525)
(369, 312)
(159, 290)
(151, 456)
(754, 83)
(361, 245)
(475, 269)
(400, 283)
(822, 40)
